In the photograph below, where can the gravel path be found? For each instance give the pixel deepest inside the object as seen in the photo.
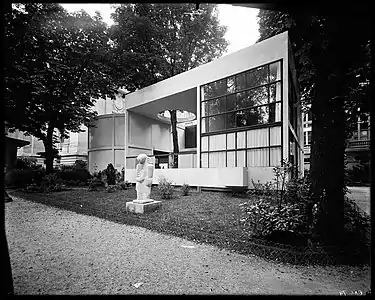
(54, 251)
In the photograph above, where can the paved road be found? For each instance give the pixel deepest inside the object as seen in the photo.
(362, 197)
(54, 251)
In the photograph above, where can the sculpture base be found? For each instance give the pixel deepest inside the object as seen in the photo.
(141, 208)
(143, 201)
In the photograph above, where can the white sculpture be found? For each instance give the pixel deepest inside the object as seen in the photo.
(144, 175)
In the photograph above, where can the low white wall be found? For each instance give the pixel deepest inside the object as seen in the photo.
(263, 174)
(214, 177)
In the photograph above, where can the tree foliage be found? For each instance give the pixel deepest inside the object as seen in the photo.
(163, 40)
(56, 65)
(332, 62)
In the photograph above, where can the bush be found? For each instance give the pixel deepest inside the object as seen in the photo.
(261, 218)
(52, 183)
(23, 163)
(297, 190)
(74, 175)
(185, 189)
(111, 188)
(80, 165)
(49, 183)
(21, 178)
(95, 183)
(122, 185)
(357, 226)
(110, 173)
(165, 188)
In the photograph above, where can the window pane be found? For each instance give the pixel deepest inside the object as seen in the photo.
(231, 84)
(257, 138)
(275, 92)
(275, 157)
(231, 140)
(204, 145)
(204, 109)
(205, 92)
(258, 157)
(259, 95)
(204, 124)
(231, 102)
(241, 158)
(244, 99)
(216, 160)
(275, 112)
(241, 139)
(204, 160)
(253, 116)
(241, 82)
(215, 106)
(231, 159)
(275, 71)
(257, 77)
(217, 142)
(219, 87)
(363, 134)
(216, 123)
(309, 137)
(231, 120)
(275, 138)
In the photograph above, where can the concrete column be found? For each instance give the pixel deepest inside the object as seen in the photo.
(113, 140)
(198, 128)
(126, 129)
(285, 108)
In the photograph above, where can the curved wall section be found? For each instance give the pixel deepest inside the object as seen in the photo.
(106, 142)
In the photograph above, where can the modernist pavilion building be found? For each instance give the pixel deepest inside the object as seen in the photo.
(248, 119)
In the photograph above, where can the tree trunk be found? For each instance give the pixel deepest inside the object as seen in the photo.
(176, 150)
(48, 148)
(327, 158)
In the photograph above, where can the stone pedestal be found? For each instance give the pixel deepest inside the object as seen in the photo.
(142, 206)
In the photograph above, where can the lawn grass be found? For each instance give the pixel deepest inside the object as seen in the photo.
(207, 217)
(212, 217)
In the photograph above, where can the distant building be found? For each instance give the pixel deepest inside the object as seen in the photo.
(357, 150)
(13, 141)
(75, 146)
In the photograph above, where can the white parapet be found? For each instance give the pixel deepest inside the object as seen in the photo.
(206, 177)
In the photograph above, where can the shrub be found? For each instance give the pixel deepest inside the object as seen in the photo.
(111, 188)
(185, 189)
(165, 188)
(95, 183)
(80, 165)
(33, 188)
(52, 183)
(261, 218)
(21, 178)
(122, 185)
(357, 226)
(119, 177)
(297, 190)
(23, 163)
(74, 175)
(110, 172)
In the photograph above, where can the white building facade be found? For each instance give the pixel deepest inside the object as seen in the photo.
(248, 119)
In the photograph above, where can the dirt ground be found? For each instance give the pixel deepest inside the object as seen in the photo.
(54, 251)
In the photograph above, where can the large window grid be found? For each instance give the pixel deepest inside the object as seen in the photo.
(244, 100)
(251, 148)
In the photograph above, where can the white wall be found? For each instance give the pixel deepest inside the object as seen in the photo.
(217, 177)
(148, 133)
